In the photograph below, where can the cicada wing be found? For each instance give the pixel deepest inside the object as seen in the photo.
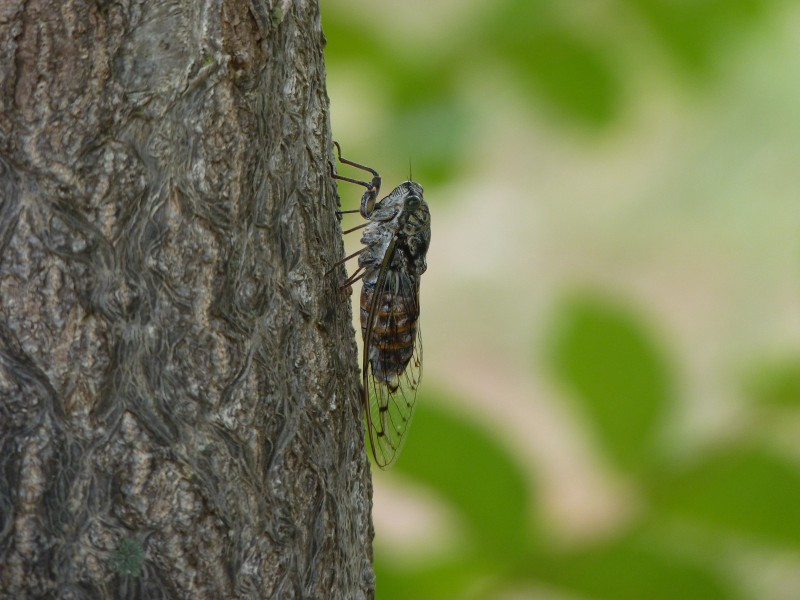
(389, 388)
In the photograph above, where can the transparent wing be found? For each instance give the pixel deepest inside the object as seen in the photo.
(390, 387)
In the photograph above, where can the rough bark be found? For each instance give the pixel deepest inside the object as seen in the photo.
(179, 413)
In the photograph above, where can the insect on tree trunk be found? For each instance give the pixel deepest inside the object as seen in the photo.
(179, 413)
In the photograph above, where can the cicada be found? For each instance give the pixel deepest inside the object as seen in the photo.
(397, 233)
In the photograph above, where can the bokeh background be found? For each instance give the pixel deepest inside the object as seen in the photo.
(611, 313)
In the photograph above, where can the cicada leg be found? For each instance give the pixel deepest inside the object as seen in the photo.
(356, 228)
(373, 187)
(346, 287)
(368, 201)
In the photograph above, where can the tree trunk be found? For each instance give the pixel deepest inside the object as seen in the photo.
(179, 415)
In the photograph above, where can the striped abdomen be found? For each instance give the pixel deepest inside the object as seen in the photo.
(393, 333)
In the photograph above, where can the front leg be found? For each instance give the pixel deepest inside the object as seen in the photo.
(373, 187)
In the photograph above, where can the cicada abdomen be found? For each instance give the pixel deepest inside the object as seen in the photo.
(396, 239)
(393, 331)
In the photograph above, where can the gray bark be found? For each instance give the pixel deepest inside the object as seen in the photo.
(179, 415)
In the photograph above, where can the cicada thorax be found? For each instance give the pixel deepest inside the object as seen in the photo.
(389, 327)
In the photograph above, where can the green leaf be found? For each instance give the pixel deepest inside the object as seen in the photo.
(615, 369)
(348, 39)
(424, 119)
(428, 122)
(693, 32)
(471, 469)
(440, 580)
(776, 383)
(434, 135)
(633, 570)
(573, 76)
(553, 61)
(746, 492)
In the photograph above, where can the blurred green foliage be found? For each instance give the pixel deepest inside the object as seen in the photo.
(777, 383)
(693, 34)
(572, 59)
(616, 370)
(633, 569)
(693, 506)
(746, 491)
(497, 521)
